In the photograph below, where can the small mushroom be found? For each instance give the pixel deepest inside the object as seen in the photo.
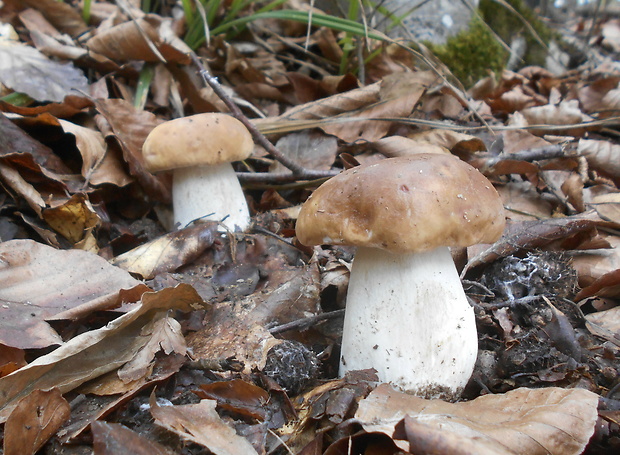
(407, 315)
(199, 150)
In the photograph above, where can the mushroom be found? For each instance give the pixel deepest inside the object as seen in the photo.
(199, 150)
(407, 315)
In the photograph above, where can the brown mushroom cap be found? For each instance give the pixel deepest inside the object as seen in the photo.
(407, 204)
(202, 139)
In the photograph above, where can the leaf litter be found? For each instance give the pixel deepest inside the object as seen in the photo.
(120, 333)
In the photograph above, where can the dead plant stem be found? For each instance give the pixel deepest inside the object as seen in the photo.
(298, 171)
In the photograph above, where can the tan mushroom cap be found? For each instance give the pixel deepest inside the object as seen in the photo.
(197, 140)
(407, 204)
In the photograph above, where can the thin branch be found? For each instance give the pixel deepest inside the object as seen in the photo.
(299, 172)
(303, 324)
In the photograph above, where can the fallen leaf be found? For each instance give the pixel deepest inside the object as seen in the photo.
(92, 354)
(169, 252)
(99, 164)
(74, 220)
(62, 15)
(149, 38)
(114, 438)
(237, 396)
(35, 419)
(601, 155)
(200, 423)
(523, 421)
(163, 333)
(26, 70)
(41, 283)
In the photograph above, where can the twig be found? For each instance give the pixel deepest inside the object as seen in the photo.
(306, 322)
(298, 171)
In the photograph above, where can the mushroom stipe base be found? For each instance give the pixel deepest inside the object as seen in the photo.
(434, 336)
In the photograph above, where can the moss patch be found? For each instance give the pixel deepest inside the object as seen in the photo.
(471, 53)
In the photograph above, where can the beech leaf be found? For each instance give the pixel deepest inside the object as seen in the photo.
(24, 69)
(523, 421)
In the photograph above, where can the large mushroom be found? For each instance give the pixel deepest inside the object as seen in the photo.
(406, 314)
(199, 150)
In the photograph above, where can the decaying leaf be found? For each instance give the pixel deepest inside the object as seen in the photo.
(239, 328)
(93, 353)
(523, 421)
(41, 283)
(26, 70)
(114, 438)
(163, 333)
(200, 423)
(33, 421)
(149, 38)
(169, 252)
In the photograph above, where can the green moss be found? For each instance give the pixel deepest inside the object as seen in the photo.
(471, 53)
(508, 25)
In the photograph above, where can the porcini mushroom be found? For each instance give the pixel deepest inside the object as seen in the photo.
(199, 150)
(406, 313)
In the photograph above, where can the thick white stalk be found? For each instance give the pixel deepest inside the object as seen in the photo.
(215, 191)
(408, 317)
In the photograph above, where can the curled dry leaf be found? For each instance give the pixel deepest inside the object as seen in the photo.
(534, 234)
(26, 70)
(61, 15)
(605, 200)
(395, 96)
(41, 283)
(130, 127)
(523, 421)
(92, 354)
(200, 423)
(149, 38)
(169, 252)
(75, 219)
(114, 438)
(99, 164)
(601, 155)
(394, 146)
(606, 324)
(35, 419)
(566, 113)
(238, 328)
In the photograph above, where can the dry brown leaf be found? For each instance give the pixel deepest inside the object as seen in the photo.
(114, 439)
(13, 180)
(162, 334)
(47, 39)
(61, 15)
(394, 146)
(106, 393)
(601, 155)
(35, 419)
(605, 200)
(99, 164)
(523, 421)
(238, 328)
(237, 396)
(566, 112)
(593, 264)
(41, 283)
(395, 96)
(134, 40)
(131, 127)
(534, 234)
(311, 149)
(75, 219)
(200, 423)
(26, 70)
(607, 324)
(92, 354)
(169, 252)
(608, 285)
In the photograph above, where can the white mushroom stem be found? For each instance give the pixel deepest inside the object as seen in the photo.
(408, 317)
(211, 193)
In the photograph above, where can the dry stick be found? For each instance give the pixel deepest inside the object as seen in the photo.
(305, 323)
(298, 171)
